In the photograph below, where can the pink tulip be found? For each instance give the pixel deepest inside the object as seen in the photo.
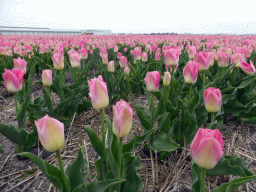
(123, 61)
(2, 50)
(119, 55)
(58, 63)
(51, 133)
(98, 92)
(115, 49)
(223, 59)
(20, 64)
(212, 99)
(91, 51)
(211, 56)
(203, 59)
(13, 79)
(237, 58)
(192, 52)
(147, 48)
(122, 120)
(207, 148)
(248, 69)
(111, 66)
(75, 60)
(127, 70)
(152, 81)
(167, 78)
(144, 57)
(171, 56)
(190, 72)
(9, 53)
(47, 77)
(136, 54)
(83, 53)
(125, 50)
(157, 56)
(104, 59)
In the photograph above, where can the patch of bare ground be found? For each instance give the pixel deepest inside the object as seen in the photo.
(174, 174)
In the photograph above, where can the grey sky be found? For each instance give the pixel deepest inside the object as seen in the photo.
(133, 16)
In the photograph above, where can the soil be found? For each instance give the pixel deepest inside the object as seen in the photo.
(174, 174)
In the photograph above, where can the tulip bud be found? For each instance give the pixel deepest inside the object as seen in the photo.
(122, 120)
(51, 133)
(115, 49)
(47, 77)
(223, 59)
(191, 52)
(119, 55)
(98, 92)
(203, 60)
(248, 69)
(207, 148)
(13, 79)
(237, 58)
(172, 56)
(167, 78)
(152, 81)
(111, 66)
(20, 64)
(212, 99)
(190, 72)
(157, 56)
(83, 53)
(125, 50)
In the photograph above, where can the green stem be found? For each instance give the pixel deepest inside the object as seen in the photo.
(152, 107)
(102, 126)
(203, 79)
(63, 176)
(190, 92)
(172, 83)
(120, 155)
(212, 119)
(16, 103)
(61, 83)
(202, 189)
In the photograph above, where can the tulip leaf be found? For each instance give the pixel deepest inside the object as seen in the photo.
(143, 117)
(75, 171)
(234, 184)
(133, 182)
(47, 99)
(97, 144)
(99, 166)
(230, 165)
(51, 172)
(164, 123)
(158, 110)
(98, 186)
(164, 143)
(135, 142)
(196, 177)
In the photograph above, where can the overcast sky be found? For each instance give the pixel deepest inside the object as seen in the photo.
(133, 16)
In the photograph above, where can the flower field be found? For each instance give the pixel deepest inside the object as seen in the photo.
(127, 113)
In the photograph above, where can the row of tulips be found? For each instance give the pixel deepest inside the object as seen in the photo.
(177, 101)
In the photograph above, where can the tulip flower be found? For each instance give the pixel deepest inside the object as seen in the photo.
(147, 48)
(13, 79)
(207, 148)
(152, 81)
(157, 56)
(144, 57)
(248, 69)
(115, 49)
(47, 77)
(212, 99)
(111, 66)
(123, 61)
(237, 58)
(203, 59)
(171, 57)
(136, 54)
(98, 92)
(119, 55)
(223, 59)
(167, 78)
(105, 59)
(20, 64)
(83, 53)
(191, 52)
(127, 70)
(51, 133)
(122, 120)
(211, 56)
(125, 50)
(75, 60)
(58, 62)
(190, 72)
